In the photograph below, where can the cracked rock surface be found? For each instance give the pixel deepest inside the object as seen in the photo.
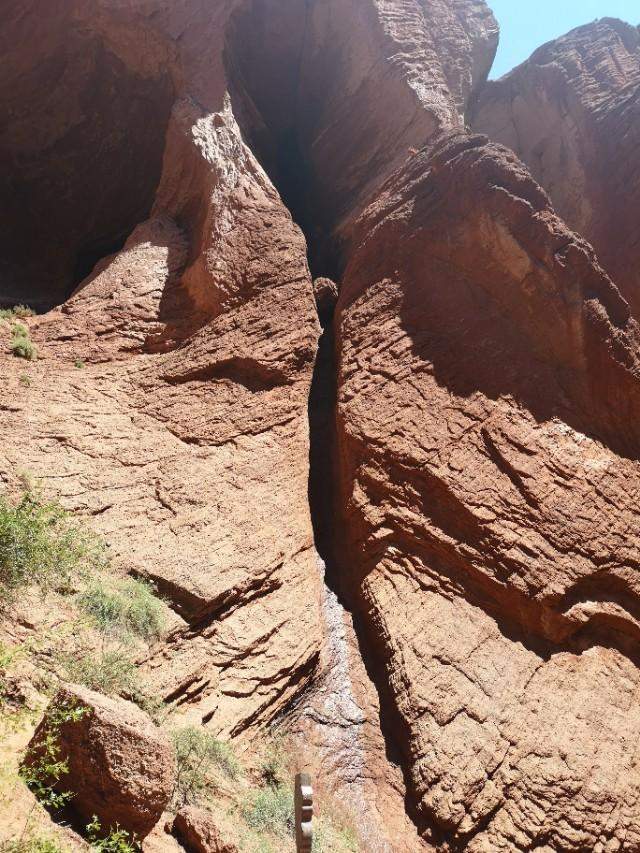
(492, 541)
(572, 113)
(453, 457)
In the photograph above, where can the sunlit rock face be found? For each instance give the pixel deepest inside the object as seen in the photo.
(459, 441)
(572, 113)
(488, 390)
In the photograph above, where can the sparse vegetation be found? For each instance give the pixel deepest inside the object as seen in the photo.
(111, 671)
(7, 656)
(272, 763)
(25, 380)
(33, 843)
(270, 810)
(119, 611)
(130, 607)
(21, 344)
(79, 363)
(328, 837)
(198, 754)
(41, 544)
(18, 312)
(43, 765)
(117, 840)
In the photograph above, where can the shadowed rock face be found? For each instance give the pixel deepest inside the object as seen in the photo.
(572, 113)
(473, 406)
(495, 578)
(81, 145)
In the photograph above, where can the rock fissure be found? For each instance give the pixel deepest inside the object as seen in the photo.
(408, 529)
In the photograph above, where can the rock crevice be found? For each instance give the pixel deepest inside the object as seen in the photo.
(409, 527)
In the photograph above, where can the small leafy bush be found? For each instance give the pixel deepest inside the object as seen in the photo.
(43, 765)
(79, 363)
(21, 344)
(17, 312)
(115, 841)
(41, 544)
(272, 765)
(130, 607)
(271, 810)
(111, 671)
(198, 753)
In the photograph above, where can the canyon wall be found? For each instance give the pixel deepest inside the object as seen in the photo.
(487, 481)
(572, 113)
(175, 175)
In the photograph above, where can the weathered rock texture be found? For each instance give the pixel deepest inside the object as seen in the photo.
(489, 532)
(186, 434)
(121, 767)
(572, 113)
(486, 435)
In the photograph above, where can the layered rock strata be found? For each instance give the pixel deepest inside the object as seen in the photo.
(572, 113)
(487, 386)
(474, 489)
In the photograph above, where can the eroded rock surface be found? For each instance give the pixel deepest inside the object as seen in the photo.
(121, 767)
(488, 387)
(572, 113)
(490, 534)
(185, 433)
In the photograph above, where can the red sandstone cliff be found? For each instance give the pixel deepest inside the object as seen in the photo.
(572, 113)
(473, 406)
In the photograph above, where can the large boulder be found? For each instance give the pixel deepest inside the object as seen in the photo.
(488, 394)
(121, 767)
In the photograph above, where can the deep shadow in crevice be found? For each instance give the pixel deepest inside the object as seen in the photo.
(92, 166)
(90, 254)
(264, 79)
(264, 50)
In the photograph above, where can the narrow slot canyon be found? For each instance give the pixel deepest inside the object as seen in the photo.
(325, 370)
(345, 717)
(264, 51)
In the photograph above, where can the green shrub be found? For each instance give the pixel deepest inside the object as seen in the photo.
(43, 764)
(33, 844)
(155, 707)
(18, 311)
(198, 753)
(115, 841)
(272, 764)
(41, 544)
(110, 670)
(271, 810)
(79, 363)
(129, 607)
(25, 380)
(21, 344)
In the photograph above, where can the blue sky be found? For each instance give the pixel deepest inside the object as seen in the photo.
(526, 24)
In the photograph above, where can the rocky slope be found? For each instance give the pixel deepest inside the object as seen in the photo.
(459, 442)
(572, 113)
